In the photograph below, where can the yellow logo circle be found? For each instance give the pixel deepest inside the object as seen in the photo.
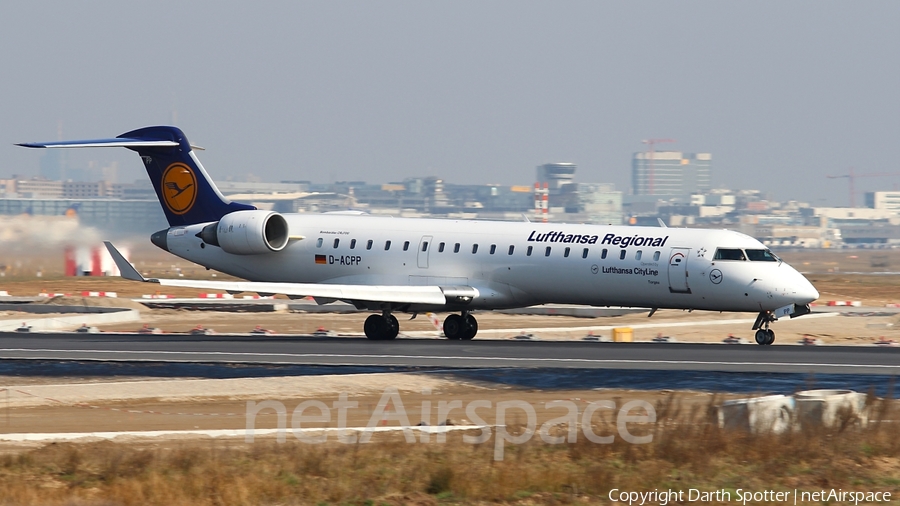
(179, 188)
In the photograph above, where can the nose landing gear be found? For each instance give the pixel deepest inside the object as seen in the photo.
(764, 336)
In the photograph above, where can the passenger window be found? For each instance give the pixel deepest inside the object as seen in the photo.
(761, 255)
(622, 255)
(728, 254)
(584, 253)
(656, 256)
(387, 245)
(336, 242)
(547, 251)
(319, 242)
(638, 255)
(511, 249)
(425, 246)
(603, 253)
(441, 248)
(566, 252)
(493, 248)
(456, 248)
(352, 243)
(405, 245)
(369, 244)
(528, 252)
(474, 249)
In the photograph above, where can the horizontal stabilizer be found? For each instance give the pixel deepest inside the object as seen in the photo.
(101, 143)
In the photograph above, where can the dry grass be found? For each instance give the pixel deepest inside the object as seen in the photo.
(687, 452)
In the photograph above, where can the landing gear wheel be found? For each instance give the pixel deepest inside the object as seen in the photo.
(761, 337)
(376, 327)
(454, 327)
(393, 326)
(471, 328)
(765, 337)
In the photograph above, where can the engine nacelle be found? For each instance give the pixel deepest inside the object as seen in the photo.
(248, 232)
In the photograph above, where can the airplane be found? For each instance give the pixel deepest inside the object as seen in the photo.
(395, 265)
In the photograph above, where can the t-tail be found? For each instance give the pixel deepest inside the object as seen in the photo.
(185, 190)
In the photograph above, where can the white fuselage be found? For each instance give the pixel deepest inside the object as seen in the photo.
(571, 264)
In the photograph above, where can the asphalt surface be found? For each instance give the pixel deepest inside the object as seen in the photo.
(450, 354)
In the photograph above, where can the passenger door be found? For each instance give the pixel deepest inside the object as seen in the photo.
(678, 274)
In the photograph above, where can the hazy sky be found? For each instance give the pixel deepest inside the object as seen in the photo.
(781, 93)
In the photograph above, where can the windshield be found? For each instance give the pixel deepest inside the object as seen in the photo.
(761, 255)
(728, 254)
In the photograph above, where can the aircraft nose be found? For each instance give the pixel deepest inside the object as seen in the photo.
(806, 292)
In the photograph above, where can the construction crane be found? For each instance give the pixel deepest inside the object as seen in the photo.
(851, 180)
(651, 143)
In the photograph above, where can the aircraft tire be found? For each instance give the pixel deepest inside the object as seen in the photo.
(761, 337)
(393, 327)
(376, 327)
(454, 327)
(770, 337)
(471, 328)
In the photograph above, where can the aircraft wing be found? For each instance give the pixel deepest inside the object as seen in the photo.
(402, 294)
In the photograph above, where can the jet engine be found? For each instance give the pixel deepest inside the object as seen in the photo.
(248, 232)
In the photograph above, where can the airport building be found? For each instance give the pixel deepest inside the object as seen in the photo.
(556, 175)
(670, 173)
(139, 216)
(883, 200)
(600, 203)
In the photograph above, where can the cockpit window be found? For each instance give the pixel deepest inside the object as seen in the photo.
(729, 254)
(761, 255)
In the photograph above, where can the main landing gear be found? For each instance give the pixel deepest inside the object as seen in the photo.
(381, 327)
(384, 327)
(462, 327)
(764, 336)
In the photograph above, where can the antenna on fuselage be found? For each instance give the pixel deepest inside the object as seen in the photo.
(661, 222)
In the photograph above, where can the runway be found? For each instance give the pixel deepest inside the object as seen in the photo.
(433, 353)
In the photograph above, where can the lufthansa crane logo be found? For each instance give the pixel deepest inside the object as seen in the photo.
(179, 188)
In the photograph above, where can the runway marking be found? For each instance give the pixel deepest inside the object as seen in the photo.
(448, 357)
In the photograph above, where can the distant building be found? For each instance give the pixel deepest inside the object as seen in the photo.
(235, 187)
(85, 189)
(138, 216)
(556, 175)
(670, 173)
(600, 203)
(37, 187)
(883, 200)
